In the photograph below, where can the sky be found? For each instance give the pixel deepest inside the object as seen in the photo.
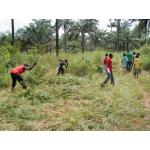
(5, 24)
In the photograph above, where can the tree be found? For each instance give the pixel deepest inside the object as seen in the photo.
(12, 27)
(144, 25)
(57, 37)
(118, 33)
(66, 25)
(82, 28)
(38, 33)
(112, 38)
(5, 38)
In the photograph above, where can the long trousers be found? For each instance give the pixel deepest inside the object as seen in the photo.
(18, 78)
(109, 77)
(129, 65)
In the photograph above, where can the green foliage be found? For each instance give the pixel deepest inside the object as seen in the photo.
(4, 56)
(145, 57)
(145, 49)
(74, 46)
(145, 81)
(4, 59)
(35, 76)
(4, 80)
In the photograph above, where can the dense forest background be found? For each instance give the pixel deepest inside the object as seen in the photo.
(76, 35)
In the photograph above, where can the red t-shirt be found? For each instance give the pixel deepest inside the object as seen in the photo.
(18, 70)
(105, 60)
(109, 64)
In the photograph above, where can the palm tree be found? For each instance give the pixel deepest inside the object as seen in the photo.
(144, 25)
(12, 27)
(66, 25)
(81, 28)
(37, 34)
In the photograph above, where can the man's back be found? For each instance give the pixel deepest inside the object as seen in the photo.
(105, 61)
(18, 70)
(124, 61)
(137, 63)
(129, 56)
(109, 64)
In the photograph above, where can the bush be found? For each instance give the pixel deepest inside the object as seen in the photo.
(80, 67)
(4, 80)
(35, 76)
(146, 62)
(4, 56)
(4, 59)
(145, 54)
(145, 49)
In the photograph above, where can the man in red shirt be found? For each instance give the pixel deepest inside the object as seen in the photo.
(109, 72)
(15, 74)
(105, 60)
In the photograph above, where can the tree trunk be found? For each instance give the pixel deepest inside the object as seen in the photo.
(57, 37)
(82, 41)
(95, 44)
(127, 45)
(50, 47)
(123, 46)
(145, 33)
(115, 46)
(139, 32)
(65, 38)
(118, 33)
(12, 35)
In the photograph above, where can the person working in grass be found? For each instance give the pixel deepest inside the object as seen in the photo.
(133, 57)
(124, 61)
(136, 66)
(109, 72)
(16, 72)
(140, 60)
(129, 62)
(60, 69)
(105, 60)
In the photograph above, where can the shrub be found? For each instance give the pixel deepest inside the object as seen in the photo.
(4, 80)
(80, 67)
(4, 57)
(145, 49)
(145, 54)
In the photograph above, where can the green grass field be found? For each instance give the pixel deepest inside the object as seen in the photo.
(76, 100)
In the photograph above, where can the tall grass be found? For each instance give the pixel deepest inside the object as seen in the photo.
(74, 101)
(145, 56)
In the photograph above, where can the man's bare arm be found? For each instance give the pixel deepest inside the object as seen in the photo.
(31, 67)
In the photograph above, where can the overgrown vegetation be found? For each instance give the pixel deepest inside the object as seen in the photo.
(74, 101)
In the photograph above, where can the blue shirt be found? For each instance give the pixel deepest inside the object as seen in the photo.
(124, 61)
